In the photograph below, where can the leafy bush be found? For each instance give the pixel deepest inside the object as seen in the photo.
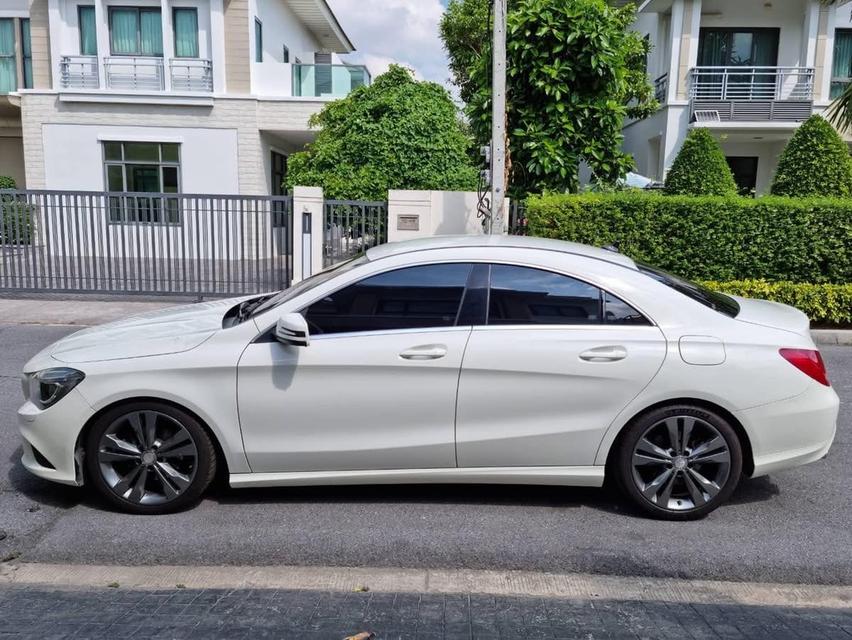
(824, 304)
(709, 238)
(815, 163)
(700, 169)
(7, 183)
(397, 133)
(16, 221)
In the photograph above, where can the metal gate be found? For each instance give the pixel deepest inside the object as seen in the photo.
(351, 227)
(145, 243)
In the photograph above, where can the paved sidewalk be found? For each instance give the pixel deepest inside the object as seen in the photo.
(38, 612)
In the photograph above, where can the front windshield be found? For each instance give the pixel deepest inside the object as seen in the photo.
(713, 299)
(310, 283)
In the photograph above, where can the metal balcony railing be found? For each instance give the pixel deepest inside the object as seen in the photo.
(132, 73)
(661, 88)
(79, 72)
(751, 83)
(191, 74)
(328, 80)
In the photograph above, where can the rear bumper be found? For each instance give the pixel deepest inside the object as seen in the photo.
(792, 432)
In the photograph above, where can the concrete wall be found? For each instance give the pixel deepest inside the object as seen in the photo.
(75, 162)
(437, 213)
(224, 149)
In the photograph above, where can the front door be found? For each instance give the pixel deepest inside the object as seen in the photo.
(376, 388)
(546, 376)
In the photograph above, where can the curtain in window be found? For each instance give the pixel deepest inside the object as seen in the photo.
(152, 33)
(842, 65)
(88, 35)
(8, 75)
(123, 31)
(186, 33)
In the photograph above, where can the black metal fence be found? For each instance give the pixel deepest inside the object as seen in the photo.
(144, 243)
(351, 227)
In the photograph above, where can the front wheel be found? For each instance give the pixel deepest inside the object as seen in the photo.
(150, 458)
(679, 462)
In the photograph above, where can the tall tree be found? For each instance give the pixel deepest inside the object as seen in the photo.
(575, 72)
(397, 133)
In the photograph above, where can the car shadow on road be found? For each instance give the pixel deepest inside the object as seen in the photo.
(41, 491)
(607, 499)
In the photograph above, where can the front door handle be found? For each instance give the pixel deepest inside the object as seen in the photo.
(426, 352)
(604, 354)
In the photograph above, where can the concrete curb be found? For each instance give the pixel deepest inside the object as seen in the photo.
(502, 583)
(835, 337)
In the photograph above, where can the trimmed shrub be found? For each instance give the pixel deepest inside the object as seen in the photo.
(709, 238)
(700, 169)
(824, 304)
(16, 221)
(815, 163)
(7, 183)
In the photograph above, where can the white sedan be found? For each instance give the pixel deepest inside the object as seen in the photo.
(450, 360)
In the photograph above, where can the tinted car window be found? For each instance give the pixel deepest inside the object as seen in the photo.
(521, 295)
(617, 311)
(717, 301)
(421, 297)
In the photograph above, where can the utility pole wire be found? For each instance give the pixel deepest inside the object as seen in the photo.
(498, 119)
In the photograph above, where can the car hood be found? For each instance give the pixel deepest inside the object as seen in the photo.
(173, 330)
(773, 314)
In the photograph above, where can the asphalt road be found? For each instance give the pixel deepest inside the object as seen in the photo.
(794, 526)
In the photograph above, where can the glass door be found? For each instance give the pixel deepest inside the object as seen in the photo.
(740, 48)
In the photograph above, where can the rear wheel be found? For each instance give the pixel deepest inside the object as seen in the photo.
(150, 458)
(679, 462)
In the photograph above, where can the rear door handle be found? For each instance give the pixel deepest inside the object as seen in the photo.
(426, 352)
(604, 354)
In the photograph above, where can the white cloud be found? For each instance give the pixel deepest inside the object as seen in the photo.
(395, 31)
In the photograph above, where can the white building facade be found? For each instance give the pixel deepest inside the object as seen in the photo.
(750, 71)
(183, 96)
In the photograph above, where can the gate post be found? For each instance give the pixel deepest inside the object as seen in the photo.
(308, 206)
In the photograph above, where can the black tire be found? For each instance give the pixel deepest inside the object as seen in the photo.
(684, 508)
(200, 468)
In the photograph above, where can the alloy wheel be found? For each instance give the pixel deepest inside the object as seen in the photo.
(147, 457)
(681, 463)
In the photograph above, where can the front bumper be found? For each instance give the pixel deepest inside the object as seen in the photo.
(53, 433)
(792, 432)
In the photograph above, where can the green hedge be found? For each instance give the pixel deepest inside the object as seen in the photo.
(16, 221)
(709, 238)
(825, 304)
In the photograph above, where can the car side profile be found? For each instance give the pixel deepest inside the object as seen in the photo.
(450, 360)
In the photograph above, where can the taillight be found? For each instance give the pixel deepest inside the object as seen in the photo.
(807, 361)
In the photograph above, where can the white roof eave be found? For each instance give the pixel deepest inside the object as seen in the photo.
(321, 21)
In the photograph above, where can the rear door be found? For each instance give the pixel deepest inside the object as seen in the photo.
(556, 360)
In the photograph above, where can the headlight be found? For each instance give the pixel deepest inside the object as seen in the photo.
(45, 388)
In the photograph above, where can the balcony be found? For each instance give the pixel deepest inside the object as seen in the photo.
(747, 94)
(328, 80)
(137, 74)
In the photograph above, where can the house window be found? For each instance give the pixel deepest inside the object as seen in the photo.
(740, 48)
(135, 31)
(8, 66)
(186, 32)
(258, 40)
(139, 168)
(88, 32)
(841, 71)
(285, 55)
(279, 174)
(26, 54)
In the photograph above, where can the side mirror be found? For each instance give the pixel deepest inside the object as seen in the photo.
(292, 329)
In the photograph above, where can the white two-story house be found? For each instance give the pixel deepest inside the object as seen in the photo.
(750, 71)
(189, 96)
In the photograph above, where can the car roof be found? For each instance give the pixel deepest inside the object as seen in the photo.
(498, 241)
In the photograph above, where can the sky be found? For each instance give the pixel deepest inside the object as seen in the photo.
(401, 31)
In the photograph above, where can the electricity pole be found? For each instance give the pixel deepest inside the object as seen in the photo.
(498, 119)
